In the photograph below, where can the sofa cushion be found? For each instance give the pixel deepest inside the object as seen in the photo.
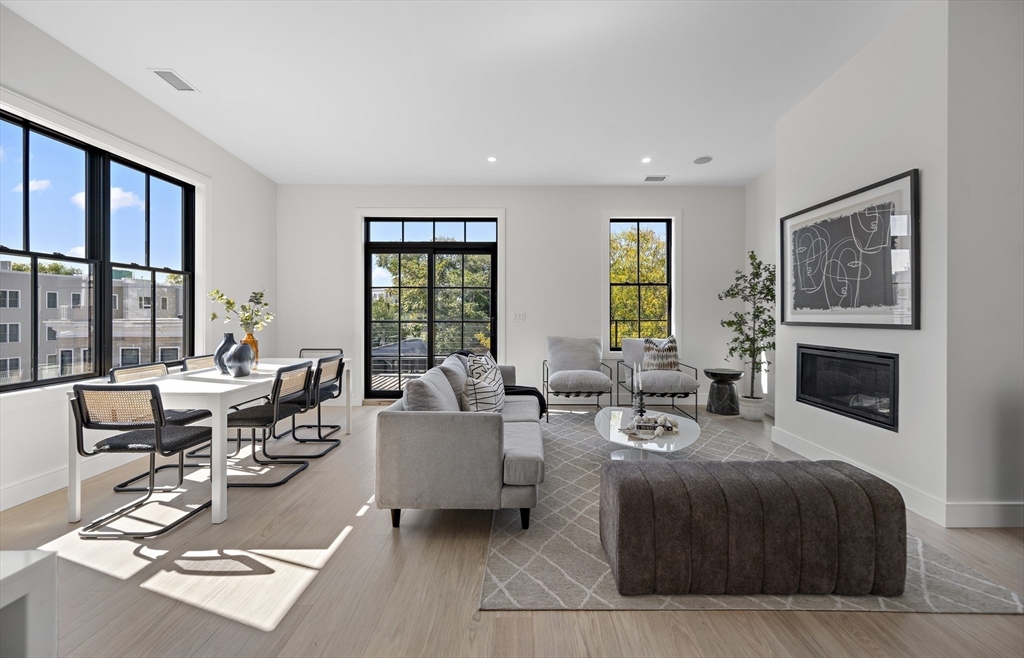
(521, 409)
(661, 354)
(455, 370)
(485, 390)
(524, 453)
(430, 392)
(565, 353)
(666, 381)
(580, 381)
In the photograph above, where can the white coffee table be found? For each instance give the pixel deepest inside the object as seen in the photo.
(609, 421)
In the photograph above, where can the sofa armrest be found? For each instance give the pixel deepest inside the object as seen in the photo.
(508, 375)
(439, 460)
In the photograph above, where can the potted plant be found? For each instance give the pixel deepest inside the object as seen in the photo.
(754, 327)
(252, 316)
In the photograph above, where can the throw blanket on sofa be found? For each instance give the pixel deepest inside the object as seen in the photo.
(528, 390)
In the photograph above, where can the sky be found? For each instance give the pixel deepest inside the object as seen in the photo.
(56, 190)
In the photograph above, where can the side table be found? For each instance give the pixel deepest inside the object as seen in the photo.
(723, 398)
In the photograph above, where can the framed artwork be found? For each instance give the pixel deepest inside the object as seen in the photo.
(854, 261)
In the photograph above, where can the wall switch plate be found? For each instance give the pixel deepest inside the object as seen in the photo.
(519, 317)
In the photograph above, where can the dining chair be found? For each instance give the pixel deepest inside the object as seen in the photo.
(176, 417)
(325, 385)
(198, 362)
(137, 411)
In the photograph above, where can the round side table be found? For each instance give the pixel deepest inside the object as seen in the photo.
(723, 397)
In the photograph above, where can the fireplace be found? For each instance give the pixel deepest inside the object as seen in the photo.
(854, 383)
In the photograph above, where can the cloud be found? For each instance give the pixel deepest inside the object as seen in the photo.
(120, 198)
(77, 252)
(33, 186)
(79, 200)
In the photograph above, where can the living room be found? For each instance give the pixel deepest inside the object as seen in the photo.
(522, 117)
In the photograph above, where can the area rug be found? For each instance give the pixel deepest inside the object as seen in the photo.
(559, 563)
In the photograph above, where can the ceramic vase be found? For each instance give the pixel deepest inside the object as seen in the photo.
(239, 360)
(251, 341)
(218, 355)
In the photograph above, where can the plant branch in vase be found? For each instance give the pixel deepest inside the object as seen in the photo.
(754, 327)
(253, 316)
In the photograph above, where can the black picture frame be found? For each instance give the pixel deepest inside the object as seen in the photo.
(854, 260)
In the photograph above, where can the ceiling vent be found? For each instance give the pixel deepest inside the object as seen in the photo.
(173, 79)
(655, 179)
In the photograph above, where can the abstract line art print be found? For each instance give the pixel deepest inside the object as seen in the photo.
(851, 261)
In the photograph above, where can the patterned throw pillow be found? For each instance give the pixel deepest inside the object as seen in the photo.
(484, 390)
(661, 354)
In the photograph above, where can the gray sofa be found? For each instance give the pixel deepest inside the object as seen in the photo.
(433, 455)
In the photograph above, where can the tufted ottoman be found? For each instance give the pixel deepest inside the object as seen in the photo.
(796, 527)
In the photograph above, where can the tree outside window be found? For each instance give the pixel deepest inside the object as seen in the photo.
(639, 280)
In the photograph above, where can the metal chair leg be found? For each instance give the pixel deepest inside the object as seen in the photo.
(302, 465)
(194, 454)
(334, 443)
(320, 427)
(181, 466)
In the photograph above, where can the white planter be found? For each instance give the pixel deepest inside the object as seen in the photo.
(751, 408)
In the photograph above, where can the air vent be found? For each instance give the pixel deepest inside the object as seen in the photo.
(655, 179)
(173, 79)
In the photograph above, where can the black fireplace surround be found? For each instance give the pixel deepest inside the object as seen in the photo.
(854, 383)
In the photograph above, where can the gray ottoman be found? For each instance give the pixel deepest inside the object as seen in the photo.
(781, 528)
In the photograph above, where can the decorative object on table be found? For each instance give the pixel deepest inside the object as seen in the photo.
(641, 427)
(853, 261)
(754, 328)
(660, 355)
(240, 359)
(638, 393)
(723, 398)
(225, 346)
(253, 316)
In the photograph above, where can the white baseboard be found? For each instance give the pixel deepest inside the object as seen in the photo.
(985, 515)
(57, 479)
(769, 409)
(920, 502)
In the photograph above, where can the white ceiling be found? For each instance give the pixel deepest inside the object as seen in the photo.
(562, 93)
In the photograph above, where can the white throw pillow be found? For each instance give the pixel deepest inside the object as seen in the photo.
(484, 390)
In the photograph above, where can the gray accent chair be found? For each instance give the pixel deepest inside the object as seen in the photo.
(574, 369)
(670, 384)
(433, 455)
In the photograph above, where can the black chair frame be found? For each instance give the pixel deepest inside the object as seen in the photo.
(316, 401)
(621, 386)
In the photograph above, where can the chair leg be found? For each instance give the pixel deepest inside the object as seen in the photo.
(302, 465)
(547, 406)
(333, 443)
(90, 531)
(181, 466)
(396, 517)
(320, 427)
(194, 454)
(524, 516)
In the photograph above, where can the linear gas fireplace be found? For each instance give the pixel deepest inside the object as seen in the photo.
(861, 385)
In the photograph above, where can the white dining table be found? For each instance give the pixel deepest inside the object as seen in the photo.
(201, 389)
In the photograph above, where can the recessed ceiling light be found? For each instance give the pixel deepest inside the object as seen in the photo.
(645, 160)
(704, 159)
(492, 159)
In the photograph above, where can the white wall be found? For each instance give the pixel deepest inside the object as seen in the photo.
(761, 237)
(240, 221)
(554, 251)
(985, 400)
(883, 113)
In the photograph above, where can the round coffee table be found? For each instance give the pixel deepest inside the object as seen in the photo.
(723, 398)
(609, 422)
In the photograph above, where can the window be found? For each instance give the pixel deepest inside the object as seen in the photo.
(163, 303)
(430, 291)
(10, 332)
(90, 229)
(10, 370)
(168, 354)
(639, 279)
(130, 356)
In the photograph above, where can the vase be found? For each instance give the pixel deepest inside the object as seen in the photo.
(239, 360)
(218, 355)
(251, 341)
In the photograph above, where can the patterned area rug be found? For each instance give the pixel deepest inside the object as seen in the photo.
(559, 563)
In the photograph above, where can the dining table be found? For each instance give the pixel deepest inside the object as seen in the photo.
(210, 389)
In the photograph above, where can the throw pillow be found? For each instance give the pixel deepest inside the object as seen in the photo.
(484, 390)
(454, 369)
(661, 355)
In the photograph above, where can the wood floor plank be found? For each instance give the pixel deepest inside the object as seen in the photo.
(369, 589)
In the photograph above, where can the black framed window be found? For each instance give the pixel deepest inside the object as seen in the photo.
(80, 229)
(640, 283)
(431, 289)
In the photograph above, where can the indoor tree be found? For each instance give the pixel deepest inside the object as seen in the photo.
(754, 327)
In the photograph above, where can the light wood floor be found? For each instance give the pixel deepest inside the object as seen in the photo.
(336, 580)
